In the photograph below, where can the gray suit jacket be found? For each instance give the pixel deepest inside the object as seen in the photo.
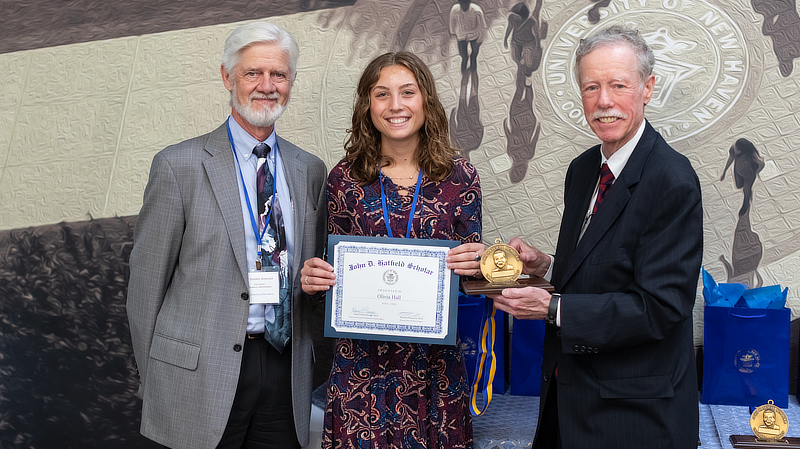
(187, 297)
(625, 355)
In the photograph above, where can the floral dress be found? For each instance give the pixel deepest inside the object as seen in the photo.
(401, 395)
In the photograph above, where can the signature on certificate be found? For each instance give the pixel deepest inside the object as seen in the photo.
(411, 317)
(363, 312)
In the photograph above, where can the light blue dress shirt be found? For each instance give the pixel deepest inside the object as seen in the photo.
(244, 144)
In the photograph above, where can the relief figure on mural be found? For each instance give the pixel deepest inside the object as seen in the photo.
(594, 13)
(782, 24)
(527, 33)
(468, 25)
(522, 127)
(747, 248)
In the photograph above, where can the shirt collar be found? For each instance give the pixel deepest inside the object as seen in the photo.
(245, 142)
(619, 159)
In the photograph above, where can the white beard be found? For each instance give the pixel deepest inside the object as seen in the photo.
(257, 117)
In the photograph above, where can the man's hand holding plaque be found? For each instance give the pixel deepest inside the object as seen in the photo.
(501, 268)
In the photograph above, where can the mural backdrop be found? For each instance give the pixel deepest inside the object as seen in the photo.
(92, 90)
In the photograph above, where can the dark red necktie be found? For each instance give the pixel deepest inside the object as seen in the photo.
(606, 180)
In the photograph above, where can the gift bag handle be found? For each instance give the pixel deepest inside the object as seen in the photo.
(734, 314)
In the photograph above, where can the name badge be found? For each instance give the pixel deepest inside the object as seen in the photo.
(265, 286)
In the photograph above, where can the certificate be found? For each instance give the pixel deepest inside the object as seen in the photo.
(391, 289)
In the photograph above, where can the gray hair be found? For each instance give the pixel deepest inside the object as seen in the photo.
(256, 32)
(615, 35)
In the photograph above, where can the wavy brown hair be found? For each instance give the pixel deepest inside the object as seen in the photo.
(363, 146)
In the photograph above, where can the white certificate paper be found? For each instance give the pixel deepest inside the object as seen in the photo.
(392, 289)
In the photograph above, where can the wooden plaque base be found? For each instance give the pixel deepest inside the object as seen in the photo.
(750, 442)
(482, 287)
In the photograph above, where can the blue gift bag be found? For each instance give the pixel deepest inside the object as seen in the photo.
(470, 312)
(525, 371)
(746, 356)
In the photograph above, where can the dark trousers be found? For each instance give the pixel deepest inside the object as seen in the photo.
(549, 436)
(261, 416)
(466, 56)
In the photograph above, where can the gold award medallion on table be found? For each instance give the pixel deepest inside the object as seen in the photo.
(768, 422)
(769, 425)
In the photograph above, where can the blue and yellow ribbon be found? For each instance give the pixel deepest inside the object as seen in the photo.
(486, 362)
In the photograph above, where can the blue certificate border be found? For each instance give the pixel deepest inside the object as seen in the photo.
(450, 321)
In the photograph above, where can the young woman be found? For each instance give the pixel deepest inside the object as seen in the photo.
(387, 394)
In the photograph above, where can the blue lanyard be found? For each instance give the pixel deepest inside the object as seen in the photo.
(253, 222)
(413, 206)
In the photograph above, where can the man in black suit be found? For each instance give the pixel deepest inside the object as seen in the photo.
(618, 368)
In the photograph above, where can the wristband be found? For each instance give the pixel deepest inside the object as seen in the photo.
(552, 309)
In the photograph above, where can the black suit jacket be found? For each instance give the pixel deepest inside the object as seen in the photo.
(625, 353)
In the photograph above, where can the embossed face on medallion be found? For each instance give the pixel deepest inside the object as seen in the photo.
(500, 260)
(769, 418)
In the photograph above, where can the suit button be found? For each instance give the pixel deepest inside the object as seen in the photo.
(545, 378)
(594, 350)
(583, 348)
(576, 348)
(558, 333)
(237, 347)
(245, 296)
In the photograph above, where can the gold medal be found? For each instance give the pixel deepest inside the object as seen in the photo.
(500, 264)
(768, 422)
(501, 267)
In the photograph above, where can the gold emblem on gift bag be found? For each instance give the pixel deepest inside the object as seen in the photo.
(747, 360)
(500, 264)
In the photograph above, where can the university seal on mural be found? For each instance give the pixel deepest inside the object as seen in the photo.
(702, 62)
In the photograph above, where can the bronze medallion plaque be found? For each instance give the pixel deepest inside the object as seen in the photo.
(501, 268)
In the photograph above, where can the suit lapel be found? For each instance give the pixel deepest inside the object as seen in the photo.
(613, 204)
(580, 187)
(223, 177)
(295, 173)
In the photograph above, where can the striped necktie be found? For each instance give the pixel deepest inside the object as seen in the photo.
(606, 180)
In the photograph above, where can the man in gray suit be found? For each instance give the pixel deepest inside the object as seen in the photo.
(220, 326)
(618, 367)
